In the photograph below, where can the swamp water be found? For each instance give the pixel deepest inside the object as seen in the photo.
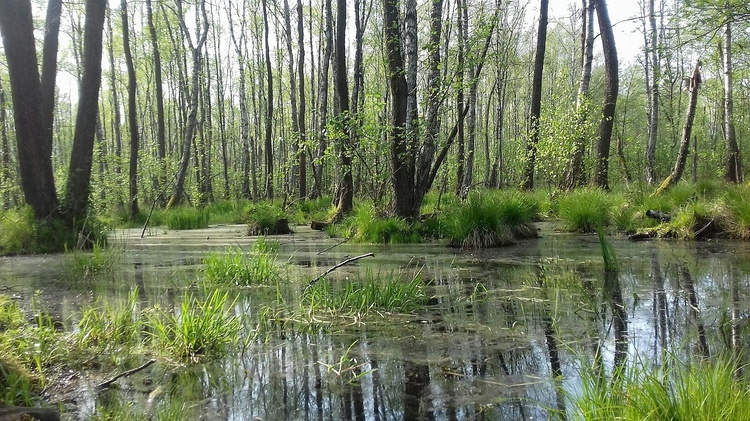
(503, 336)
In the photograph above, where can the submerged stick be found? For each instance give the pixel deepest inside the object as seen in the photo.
(334, 246)
(338, 265)
(125, 374)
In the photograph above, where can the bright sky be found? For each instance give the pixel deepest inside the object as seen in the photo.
(628, 38)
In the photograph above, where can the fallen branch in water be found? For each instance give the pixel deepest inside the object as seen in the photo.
(338, 265)
(125, 374)
(334, 246)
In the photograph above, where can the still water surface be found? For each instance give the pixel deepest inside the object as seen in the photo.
(505, 331)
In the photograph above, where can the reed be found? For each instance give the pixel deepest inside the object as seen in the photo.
(238, 267)
(185, 218)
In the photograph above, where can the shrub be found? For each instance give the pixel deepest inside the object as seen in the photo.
(267, 219)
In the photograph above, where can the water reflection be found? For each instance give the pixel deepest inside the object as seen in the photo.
(504, 330)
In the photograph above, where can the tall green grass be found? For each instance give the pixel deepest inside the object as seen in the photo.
(238, 267)
(491, 218)
(82, 264)
(198, 329)
(366, 226)
(390, 294)
(183, 218)
(736, 205)
(700, 390)
(585, 209)
(107, 326)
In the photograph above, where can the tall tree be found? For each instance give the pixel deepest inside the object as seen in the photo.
(679, 165)
(302, 138)
(132, 112)
(193, 97)
(653, 73)
(322, 115)
(239, 40)
(536, 96)
(161, 132)
(268, 143)
(345, 199)
(294, 179)
(611, 86)
(49, 69)
(35, 164)
(733, 161)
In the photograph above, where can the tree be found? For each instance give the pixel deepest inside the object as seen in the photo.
(653, 74)
(268, 143)
(301, 140)
(536, 96)
(611, 86)
(345, 199)
(679, 165)
(161, 135)
(132, 113)
(733, 161)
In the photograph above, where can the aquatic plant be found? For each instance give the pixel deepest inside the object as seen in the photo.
(366, 226)
(82, 264)
(736, 209)
(608, 252)
(266, 219)
(238, 267)
(106, 325)
(199, 329)
(185, 218)
(584, 209)
(698, 390)
(489, 219)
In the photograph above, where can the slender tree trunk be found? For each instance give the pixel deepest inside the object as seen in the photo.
(323, 99)
(611, 86)
(536, 97)
(193, 98)
(460, 96)
(302, 138)
(49, 70)
(733, 162)
(653, 95)
(5, 172)
(161, 131)
(576, 172)
(346, 148)
(132, 113)
(294, 179)
(81, 159)
(269, 108)
(679, 165)
(239, 40)
(115, 97)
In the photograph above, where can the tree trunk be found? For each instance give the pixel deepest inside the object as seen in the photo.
(193, 97)
(79, 174)
(49, 70)
(402, 182)
(115, 98)
(301, 141)
(346, 148)
(460, 96)
(240, 48)
(536, 97)
(294, 179)
(37, 180)
(611, 85)
(679, 165)
(161, 132)
(733, 163)
(652, 58)
(269, 108)
(325, 61)
(576, 172)
(132, 113)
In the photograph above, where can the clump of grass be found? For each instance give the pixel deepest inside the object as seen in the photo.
(392, 294)
(198, 330)
(17, 226)
(106, 326)
(17, 384)
(266, 219)
(366, 226)
(736, 205)
(697, 391)
(235, 266)
(320, 209)
(490, 219)
(185, 218)
(85, 264)
(584, 209)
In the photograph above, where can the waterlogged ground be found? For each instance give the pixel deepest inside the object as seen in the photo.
(500, 324)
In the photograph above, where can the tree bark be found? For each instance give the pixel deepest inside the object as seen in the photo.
(611, 86)
(325, 61)
(193, 98)
(161, 132)
(268, 143)
(79, 174)
(346, 149)
(115, 98)
(652, 61)
(294, 179)
(679, 165)
(536, 97)
(132, 113)
(733, 161)
(37, 180)
(49, 70)
(301, 140)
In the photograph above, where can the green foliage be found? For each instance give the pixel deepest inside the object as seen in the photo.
(184, 218)
(700, 390)
(263, 219)
(608, 252)
(305, 211)
(18, 228)
(491, 218)
(17, 384)
(235, 266)
(736, 205)
(585, 209)
(391, 294)
(199, 329)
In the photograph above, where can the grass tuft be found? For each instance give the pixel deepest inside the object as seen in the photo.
(184, 218)
(585, 209)
(235, 266)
